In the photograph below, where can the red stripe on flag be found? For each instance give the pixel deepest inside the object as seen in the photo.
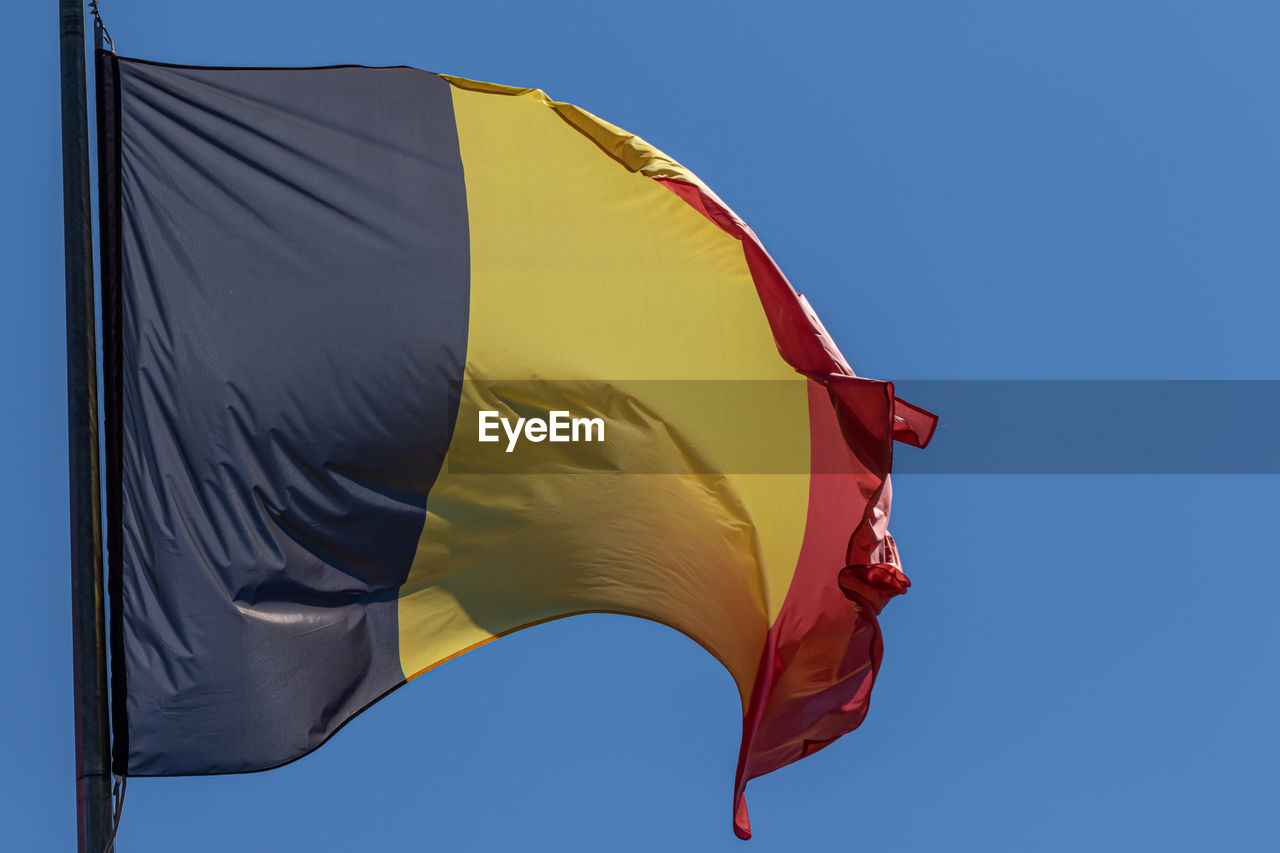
(823, 651)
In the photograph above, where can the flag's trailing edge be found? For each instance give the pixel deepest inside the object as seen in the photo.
(314, 282)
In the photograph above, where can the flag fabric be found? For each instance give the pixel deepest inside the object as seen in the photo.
(338, 303)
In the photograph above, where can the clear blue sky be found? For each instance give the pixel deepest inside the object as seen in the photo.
(979, 190)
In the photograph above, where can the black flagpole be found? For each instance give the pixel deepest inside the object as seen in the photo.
(93, 774)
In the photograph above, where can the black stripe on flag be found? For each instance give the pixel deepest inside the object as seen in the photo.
(294, 289)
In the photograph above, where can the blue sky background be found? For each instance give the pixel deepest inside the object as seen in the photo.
(979, 190)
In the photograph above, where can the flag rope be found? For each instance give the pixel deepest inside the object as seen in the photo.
(117, 793)
(99, 28)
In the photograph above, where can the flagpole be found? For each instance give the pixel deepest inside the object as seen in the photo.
(88, 634)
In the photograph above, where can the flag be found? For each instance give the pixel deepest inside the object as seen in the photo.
(397, 363)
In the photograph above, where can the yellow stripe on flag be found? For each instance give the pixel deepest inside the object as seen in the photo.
(596, 289)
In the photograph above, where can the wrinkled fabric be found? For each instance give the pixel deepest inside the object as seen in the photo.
(327, 280)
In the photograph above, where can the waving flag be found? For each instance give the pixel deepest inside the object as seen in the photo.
(398, 363)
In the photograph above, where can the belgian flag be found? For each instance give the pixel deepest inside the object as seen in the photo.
(397, 363)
